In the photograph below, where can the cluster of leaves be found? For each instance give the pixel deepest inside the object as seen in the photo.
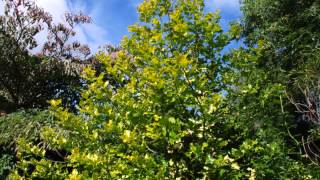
(169, 105)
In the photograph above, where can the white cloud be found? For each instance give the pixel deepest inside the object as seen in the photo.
(55, 7)
(90, 34)
(95, 36)
(1, 7)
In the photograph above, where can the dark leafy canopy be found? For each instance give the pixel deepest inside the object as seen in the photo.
(176, 109)
(28, 80)
(289, 32)
(290, 28)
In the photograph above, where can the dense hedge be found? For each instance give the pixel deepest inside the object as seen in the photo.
(20, 125)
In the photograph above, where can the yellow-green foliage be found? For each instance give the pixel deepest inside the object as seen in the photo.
(165, 115)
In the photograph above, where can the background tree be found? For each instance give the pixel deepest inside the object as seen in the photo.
(27, 80)
(289, 32)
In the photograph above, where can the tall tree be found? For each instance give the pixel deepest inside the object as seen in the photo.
(289, 31)
(29, 80)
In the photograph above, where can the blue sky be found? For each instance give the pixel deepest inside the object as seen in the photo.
(112, 17)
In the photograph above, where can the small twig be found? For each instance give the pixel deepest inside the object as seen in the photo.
(153, 151)
(305, 149)
(310, 149)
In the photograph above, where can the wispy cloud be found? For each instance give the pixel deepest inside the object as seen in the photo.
(90, 34)
(1, 7)
(96, 35)
(56, 8)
